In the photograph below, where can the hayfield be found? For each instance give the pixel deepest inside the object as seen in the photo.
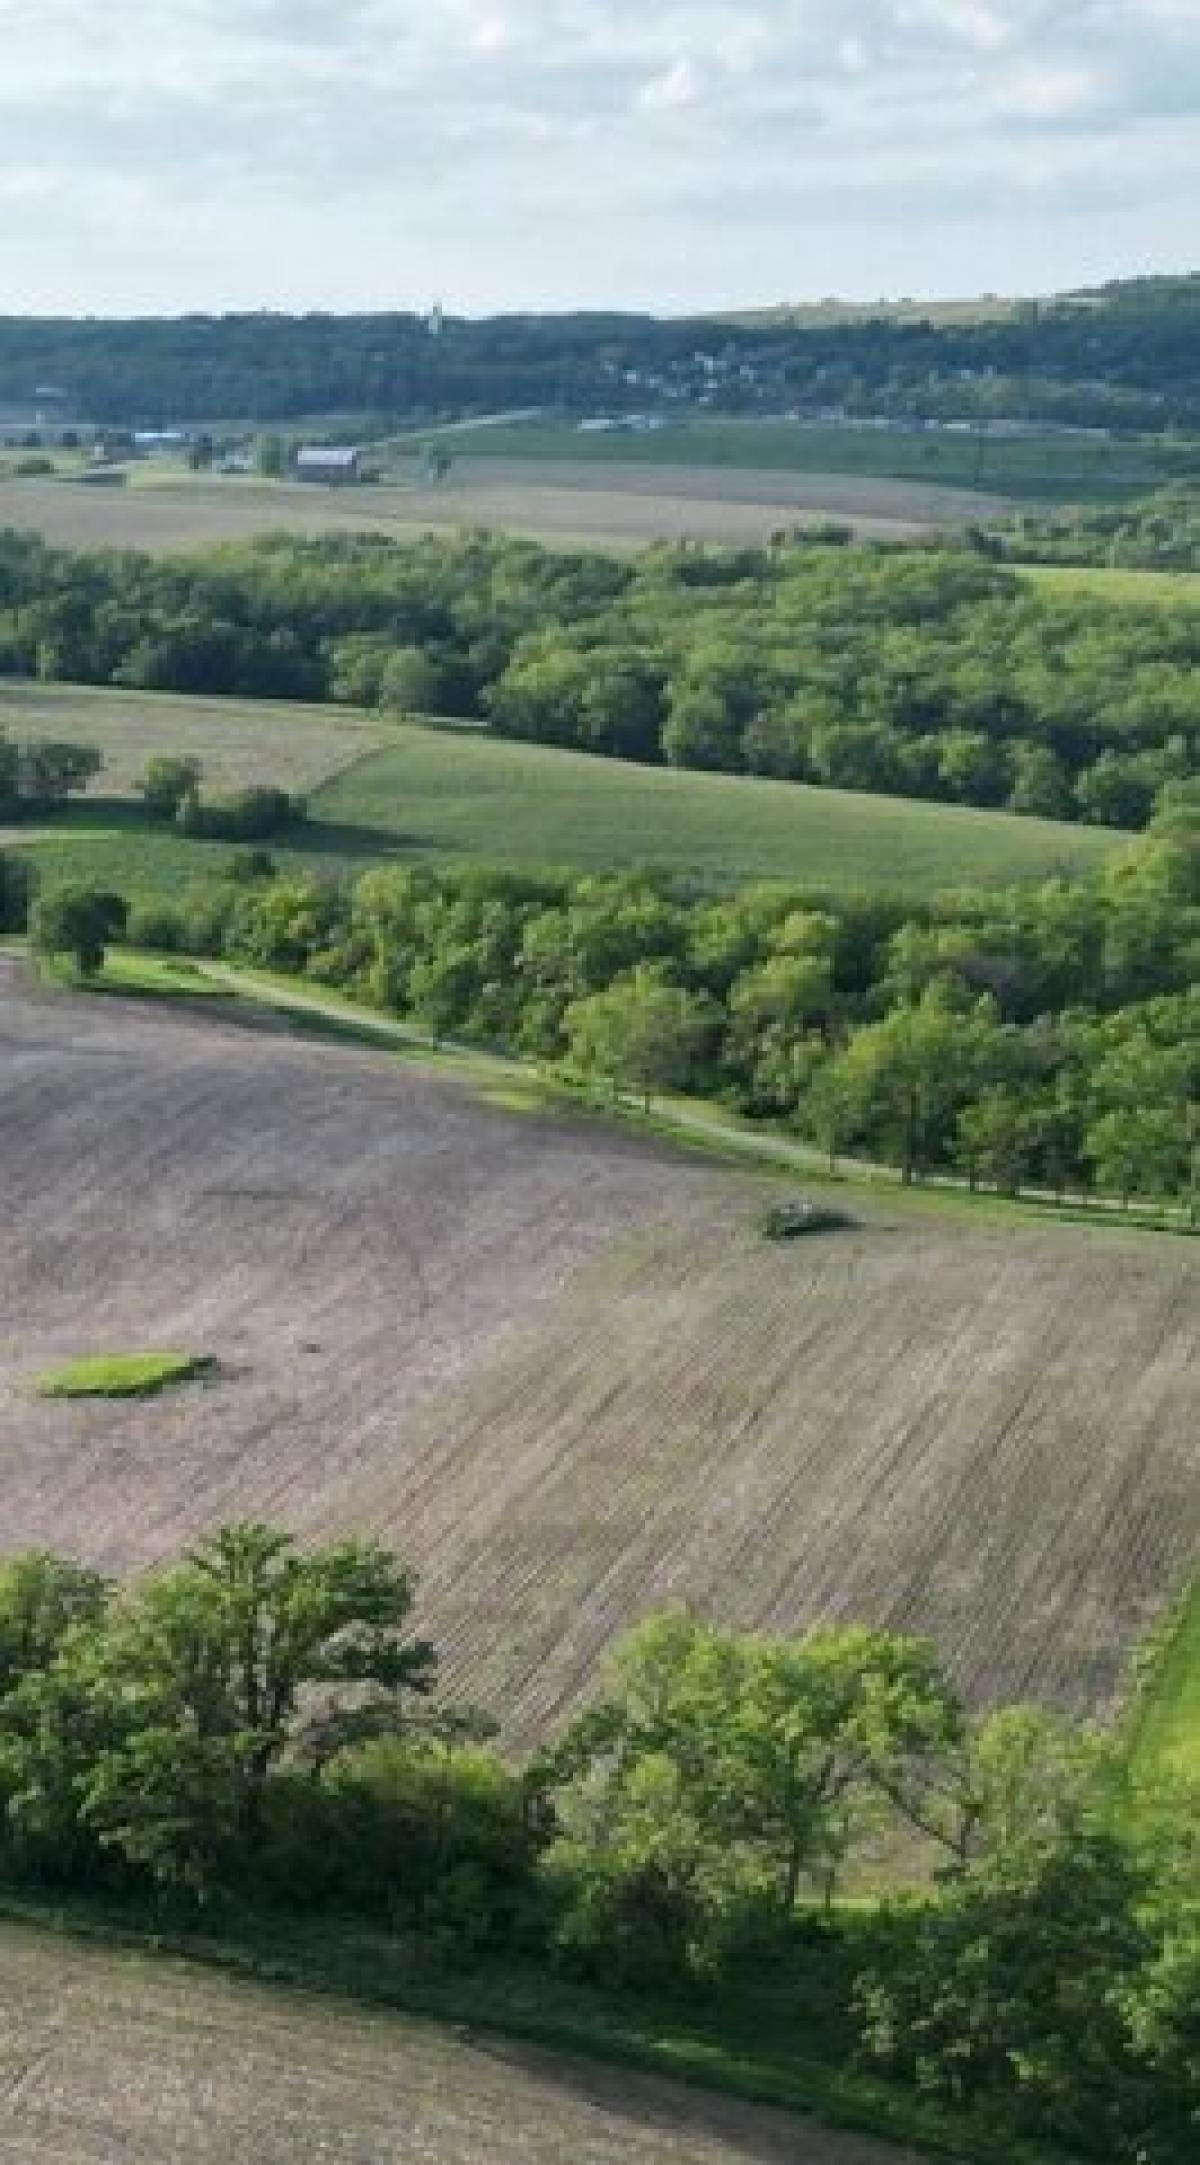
(378, 790)
(106, 2056)
(558, 1367)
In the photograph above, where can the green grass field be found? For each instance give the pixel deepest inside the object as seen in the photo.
(1166, 1729)
(122, 1375)
(444, 794)
(465, 795)
(1051, 468)
(1175, 589)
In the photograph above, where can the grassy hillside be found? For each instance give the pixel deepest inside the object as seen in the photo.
(383, 792)
(467, 795)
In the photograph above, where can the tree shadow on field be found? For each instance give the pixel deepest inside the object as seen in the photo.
(345, 838)
(90, 814)
(96, 815)
(656, 2104)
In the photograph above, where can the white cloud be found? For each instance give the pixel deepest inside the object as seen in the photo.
(356, 151)
(676, 88)
(491, 34)
(1062, 91)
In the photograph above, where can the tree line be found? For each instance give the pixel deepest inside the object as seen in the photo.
(1040, 1038)
(1123, 357)
(926, 671)
(257, 1729)
(1159, 533)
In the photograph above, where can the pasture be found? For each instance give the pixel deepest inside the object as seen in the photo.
(381, 791)
(560, 1369)
(108, 2055)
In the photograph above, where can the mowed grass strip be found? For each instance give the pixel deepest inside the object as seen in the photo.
(124, 1375)
(1166, 1733)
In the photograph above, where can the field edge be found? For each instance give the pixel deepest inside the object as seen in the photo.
(535, 2009)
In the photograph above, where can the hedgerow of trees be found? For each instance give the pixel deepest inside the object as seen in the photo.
(256, 1731)
(923, 672)
(1042, 1038)
(1160, 533)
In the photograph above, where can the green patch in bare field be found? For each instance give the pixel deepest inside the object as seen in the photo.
(124, 1375)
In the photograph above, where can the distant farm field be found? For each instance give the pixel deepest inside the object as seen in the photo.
(380, 791)
(558, 1366)
(107, 2056)
(1174, 588)
(569, 500)
(1052, 467)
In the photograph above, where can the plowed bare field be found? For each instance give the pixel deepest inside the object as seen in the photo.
(559, 1369)
(106, 2057)
(569, 502)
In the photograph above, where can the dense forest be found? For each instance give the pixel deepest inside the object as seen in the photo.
(255, 1731)
(924, 672)
(1123, 357)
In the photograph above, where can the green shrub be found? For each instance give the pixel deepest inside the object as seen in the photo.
(247, 815)
(157, 925)
(168, 783)
(77, 921)
(792, 1220)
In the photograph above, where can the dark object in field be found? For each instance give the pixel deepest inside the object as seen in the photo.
(792, 1220)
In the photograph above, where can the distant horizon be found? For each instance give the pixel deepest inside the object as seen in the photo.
(752, 307)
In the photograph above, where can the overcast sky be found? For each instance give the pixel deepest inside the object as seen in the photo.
(176, 154)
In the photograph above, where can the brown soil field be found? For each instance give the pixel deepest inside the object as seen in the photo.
(572, 503)
(106, 2056)
(557, 1366)
(238, 741)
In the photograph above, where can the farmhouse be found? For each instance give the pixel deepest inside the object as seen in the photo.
(337, 465)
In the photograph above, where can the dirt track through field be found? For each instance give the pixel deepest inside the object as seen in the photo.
(107, 2057)
(560, 1370)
